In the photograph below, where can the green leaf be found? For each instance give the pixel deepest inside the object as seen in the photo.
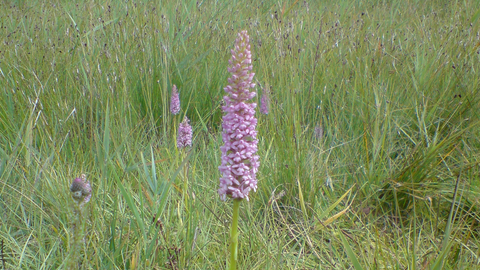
(350, 254)
(132, 206)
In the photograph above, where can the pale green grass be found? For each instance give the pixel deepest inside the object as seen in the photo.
(84, 88)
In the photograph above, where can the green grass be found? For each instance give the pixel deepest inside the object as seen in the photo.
(394, 85)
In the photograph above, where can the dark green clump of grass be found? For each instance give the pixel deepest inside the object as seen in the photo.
(369, 154)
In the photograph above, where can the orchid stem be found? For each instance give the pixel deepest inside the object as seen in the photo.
(185, 182)
(234, 235)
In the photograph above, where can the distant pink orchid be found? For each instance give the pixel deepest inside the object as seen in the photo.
(184, 137)
(239, 160)
(318, 132)
(264, 102)
(175, 101)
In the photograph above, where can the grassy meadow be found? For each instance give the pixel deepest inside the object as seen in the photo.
(369, 156)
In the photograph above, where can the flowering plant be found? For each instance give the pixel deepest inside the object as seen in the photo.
(239, 160)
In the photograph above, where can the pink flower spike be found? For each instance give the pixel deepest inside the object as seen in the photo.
(239, 160)
(184, 137)
(175, 101)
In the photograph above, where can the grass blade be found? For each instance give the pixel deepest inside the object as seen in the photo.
(353, 258)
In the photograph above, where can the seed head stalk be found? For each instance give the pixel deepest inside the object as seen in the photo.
(77, 237)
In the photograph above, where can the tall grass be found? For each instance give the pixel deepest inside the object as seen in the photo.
(393, 182)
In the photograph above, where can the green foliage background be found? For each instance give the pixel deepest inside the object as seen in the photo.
(392, 86)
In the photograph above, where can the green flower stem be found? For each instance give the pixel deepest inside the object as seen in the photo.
(175, 129)
(234, 235)
(185, 181)
(77, 237)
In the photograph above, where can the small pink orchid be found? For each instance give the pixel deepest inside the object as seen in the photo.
(264, 102)
(184, 137)
(175, 101)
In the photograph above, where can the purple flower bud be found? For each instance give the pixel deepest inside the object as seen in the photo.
(81, 189)
(184, 137)
(239, 160)
(175, 101)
